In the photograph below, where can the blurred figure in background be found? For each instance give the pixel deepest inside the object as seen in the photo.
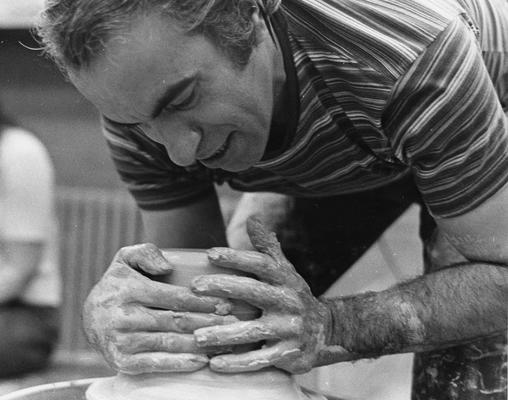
(29, 277)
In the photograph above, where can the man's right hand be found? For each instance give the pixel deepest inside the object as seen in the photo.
(141, 325)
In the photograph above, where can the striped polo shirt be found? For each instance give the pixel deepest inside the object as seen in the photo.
(377, 90)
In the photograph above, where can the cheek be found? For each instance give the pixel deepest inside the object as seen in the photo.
(149, 131)
(156, 134)
(233, 102)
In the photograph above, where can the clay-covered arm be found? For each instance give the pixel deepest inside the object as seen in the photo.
(448, 307)
(466, 296)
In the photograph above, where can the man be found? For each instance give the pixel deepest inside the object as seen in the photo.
(353, 109)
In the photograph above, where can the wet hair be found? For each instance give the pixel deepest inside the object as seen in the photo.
(75, 32)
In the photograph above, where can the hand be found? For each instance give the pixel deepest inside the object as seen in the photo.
(294, 323)
(141, 325)
(271, 208)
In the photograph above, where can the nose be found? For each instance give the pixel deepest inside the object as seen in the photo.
(180, 139)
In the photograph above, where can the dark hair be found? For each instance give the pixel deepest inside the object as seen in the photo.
(74, 32)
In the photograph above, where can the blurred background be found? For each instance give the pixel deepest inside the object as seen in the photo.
(34, 92)
(97, 216)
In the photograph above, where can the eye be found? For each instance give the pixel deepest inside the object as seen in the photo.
(187, 100)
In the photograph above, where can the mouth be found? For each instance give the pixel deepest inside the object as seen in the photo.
(219, 153)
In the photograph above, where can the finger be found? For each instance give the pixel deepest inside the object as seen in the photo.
(144, 257)
(252, 291)
(137, 342)
(178, 298)
(262, 239)
(257, 359)
(253, 262)
(147, 319)
(160, 362)
(247, 332)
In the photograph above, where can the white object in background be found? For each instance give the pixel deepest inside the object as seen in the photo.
(19, 14)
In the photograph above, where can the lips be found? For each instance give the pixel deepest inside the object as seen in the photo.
(219, 152)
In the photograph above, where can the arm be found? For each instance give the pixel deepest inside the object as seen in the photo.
(466, 298)
(451, 306)
(447, 307)
(27, 199)
(198, 225)
(271, 208)
(18, 265)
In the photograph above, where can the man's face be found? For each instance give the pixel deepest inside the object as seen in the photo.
(185, 94)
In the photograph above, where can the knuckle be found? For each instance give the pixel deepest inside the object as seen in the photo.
(181, 321)
(126, 251)
(113, 357)
(122, 364)
(168, 342)
(123, 343)
(143, 248)
(118, 270)
(129, 253)
(294, 326)
(182, 297)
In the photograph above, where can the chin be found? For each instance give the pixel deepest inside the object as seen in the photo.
(236, 168)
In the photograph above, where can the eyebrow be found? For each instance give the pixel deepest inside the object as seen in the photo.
(170, 93)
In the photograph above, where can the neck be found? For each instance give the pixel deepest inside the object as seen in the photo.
(279, 81)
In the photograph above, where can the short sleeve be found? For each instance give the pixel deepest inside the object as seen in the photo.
(155, 182)
(446, 121)
(27, 187)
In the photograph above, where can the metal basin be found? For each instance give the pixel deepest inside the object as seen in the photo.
(70, 390)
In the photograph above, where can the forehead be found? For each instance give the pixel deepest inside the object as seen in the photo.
(136, 65)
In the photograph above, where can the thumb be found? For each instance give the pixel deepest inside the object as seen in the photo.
(262, 239)
(145, 258)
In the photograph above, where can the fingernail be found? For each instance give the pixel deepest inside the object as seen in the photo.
(201, 339)
(199, 359)
(218, 363)
(199, 284)
(223, 308)
(214, 254)
(218, 253)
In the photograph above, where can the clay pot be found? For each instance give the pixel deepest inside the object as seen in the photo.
(189, 264)
(267, 384)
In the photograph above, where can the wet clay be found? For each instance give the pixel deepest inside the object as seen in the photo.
(269, 384)
(189, 264)
(266, 384)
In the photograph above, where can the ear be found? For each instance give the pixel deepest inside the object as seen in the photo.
(262, 23)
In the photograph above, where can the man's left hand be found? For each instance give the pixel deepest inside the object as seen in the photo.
(294, 324)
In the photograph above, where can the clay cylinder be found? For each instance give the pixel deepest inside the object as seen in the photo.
(189, 264)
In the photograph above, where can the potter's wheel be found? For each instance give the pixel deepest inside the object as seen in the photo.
(269, 384)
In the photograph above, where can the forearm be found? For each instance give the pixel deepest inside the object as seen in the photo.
(12, 283)
(18, 264)
(197, 225)
(445, 308)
